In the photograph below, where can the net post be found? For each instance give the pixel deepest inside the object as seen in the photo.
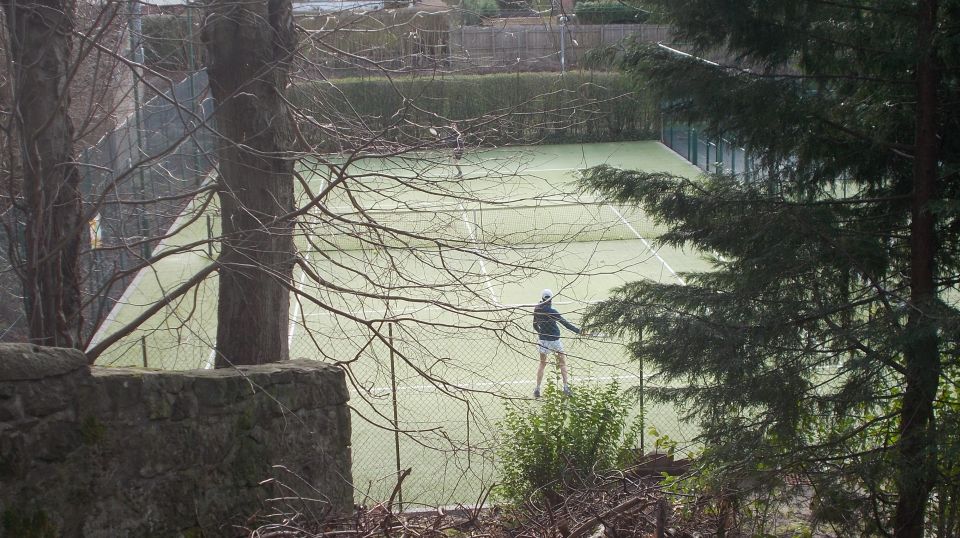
(143, 350)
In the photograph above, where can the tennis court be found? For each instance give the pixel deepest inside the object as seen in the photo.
(426, 285)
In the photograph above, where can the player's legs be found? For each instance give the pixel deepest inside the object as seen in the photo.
(540, 369)
(562, 363)
(545, 347)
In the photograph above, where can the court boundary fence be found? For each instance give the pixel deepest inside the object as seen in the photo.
(710, 154)
(135, 182)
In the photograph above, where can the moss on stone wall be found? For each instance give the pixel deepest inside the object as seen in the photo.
(28, 524)
(92, 431)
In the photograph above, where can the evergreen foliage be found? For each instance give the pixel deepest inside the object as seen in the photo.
(563, 441)
(511, 108)
(820, 343)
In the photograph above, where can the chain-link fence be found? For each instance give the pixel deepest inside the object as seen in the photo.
(426, 400)
(428, 396)
(710, 154)
(13, 325)
(137, 180)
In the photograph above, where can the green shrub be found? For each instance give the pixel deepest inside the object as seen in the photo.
(608, 13)
(559, 442)
(514, 108)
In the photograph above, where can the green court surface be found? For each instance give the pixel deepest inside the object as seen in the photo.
(433, 326)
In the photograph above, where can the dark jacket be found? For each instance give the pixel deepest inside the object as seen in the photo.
(545, 319)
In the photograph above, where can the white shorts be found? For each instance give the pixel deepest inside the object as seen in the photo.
(546, 346)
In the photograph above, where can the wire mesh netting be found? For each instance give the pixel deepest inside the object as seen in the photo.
(429, 398)
(137, 179)
(135, 182)
(426, 390)
(411, 298)
(467, 224)
(710, 154)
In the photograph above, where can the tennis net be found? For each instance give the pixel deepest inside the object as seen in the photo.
(470, 225)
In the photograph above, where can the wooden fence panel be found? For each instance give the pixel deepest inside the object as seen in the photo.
(539, 45)
(531, 46)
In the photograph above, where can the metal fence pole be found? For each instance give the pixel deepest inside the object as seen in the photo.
(691, 144)
(718, 167)
(563, 43)
(396, 420)
(643, 406)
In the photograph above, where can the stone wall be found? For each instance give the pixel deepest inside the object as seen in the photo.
(135, 452)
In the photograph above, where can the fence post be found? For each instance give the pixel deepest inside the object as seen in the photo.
(694, 144)
(643, 406)
(718, 167)
(396, 421)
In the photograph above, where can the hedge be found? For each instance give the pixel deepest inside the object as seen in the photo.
(474, 11)
(168, 41)
(496, 109)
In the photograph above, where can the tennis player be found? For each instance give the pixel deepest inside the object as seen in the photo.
(545, 319)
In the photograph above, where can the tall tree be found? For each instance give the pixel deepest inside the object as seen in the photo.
(250, 46)
(40, 34)
(819, 342)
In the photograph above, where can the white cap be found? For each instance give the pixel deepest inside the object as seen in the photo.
(546, 295)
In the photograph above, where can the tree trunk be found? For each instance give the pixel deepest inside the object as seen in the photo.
(917, 447)
(40, 34)
(249, 46)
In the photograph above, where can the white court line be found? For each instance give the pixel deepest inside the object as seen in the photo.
(296, 306)
(649, 247)
(303, 277)
(211, 358)
(476, 386)
(471, 232)
(546, 170)
(453, 310)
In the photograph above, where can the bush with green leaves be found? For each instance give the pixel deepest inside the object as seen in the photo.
(559, 441)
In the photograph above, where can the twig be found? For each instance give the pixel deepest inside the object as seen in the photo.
(582, 528)
(396, 489)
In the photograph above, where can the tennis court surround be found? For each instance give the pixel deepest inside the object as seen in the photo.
(434, 326)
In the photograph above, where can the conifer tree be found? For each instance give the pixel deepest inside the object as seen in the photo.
(824, 340)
